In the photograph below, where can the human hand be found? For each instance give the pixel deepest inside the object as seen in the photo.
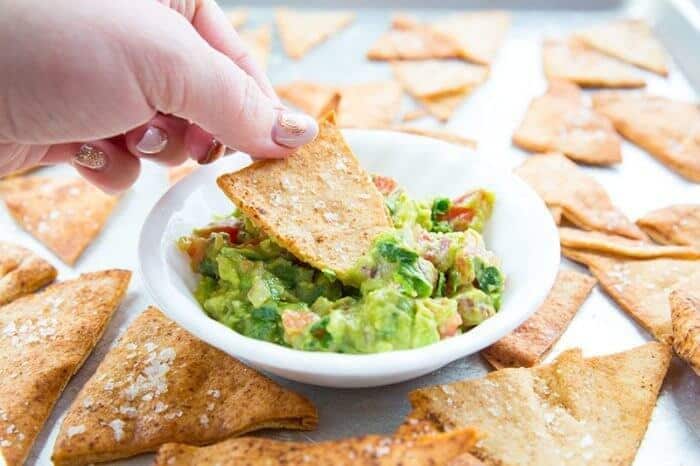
(104, 84)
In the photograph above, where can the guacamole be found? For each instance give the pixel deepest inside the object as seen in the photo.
(430, 277)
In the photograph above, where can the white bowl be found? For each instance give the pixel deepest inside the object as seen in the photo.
(521, 232)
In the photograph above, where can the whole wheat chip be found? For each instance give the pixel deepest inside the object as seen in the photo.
(478, 34)
(574, 411)
(614, 245)
(160, 384)
(409, 40)
(175, 174)
(685, 317)
(65, 214)
(374, 104)
(447, 136)
(45, 339)
(433, 78)
(529, 343)
(584, 202)
(443, 106)
(560, 121)
(300, 31)
(318, 203)
(375, 450)
(259, 43)
(677, 224)
(629, 40)
(641, 286)
(21, 272)
(668, 129)
(573, 61)
(237, 16)
(313, 98)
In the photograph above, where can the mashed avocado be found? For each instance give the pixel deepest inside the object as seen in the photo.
(429, 278)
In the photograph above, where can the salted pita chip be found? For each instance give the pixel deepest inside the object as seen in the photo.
(319, 203)
(21, 272)
(237, 16)
(571, 60)
(373, 104)
(668, 129)
(556, 214)
(614, 245)
(65, 214)
(677, 224)
(300, 31)
(442, 135)
(443, 106)
(175, 174)
(630, 40)
(433, 78)
(574, 411)
(640, 286)
(529, 343)
(411, 40)
(46, 337)
(160, 384)
(313, 98)
(478, 34)
(259, 43)
(685, 319)
(560, 121)
(584, 202)
(375, 450)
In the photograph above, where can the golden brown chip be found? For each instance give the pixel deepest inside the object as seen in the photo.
(319, 203)
(374, 450)
(584, 202)
(560, 121)
(175, 174)
(574, 411)
(373, 104)
(21, 272)
(668, 129)
(443, 106)
(685, 317)
(677, 224)
(65, 214)
(479, 34)
(237, 16)
(313, 98)
(300, 31)
(442, 135)
(409, 40)
(556, 214)
(160, 384)
(259, 43)
(45, 338)
(641, 286)
(573, 61)
(614, 245)
(434, 78)
(529, 343)
(630, 40)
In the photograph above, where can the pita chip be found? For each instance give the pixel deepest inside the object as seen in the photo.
(556, 214)
(237, 16)
(415, 114)
(584, 202)
(411, 40)
(560, 121)
(574, 411)
(479, 34)
(685, 318)
(640, 286)
(629, 40)
(677, 224)
(447, 136)
(65, 214)
(374, 104)
(371, 450)
(259, 43)
(432, 78)
(571, 60)
(667, 129)
(443, 106)
(175, 174)
(160, 384)
(313, 98)
(46, 337)
(22, 272)
(318, 203)
(529, 343)
(300, 31)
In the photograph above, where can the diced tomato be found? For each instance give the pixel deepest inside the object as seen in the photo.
(230, 227)
(196, 248)
(450, 326)
(297, 321)
(384, 184)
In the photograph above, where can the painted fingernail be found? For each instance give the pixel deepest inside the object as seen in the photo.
(153, 141)
(294, 129)
(215, 152)
(90, 157)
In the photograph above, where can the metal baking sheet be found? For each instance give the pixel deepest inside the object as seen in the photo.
(490, 115)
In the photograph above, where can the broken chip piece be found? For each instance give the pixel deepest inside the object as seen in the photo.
(300, 31)
(685, 318)
(676, 224)
(21, 272)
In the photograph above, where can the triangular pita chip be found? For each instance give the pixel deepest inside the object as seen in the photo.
(21, 272)
(641, 286)
(685, 318)
(573, 61)
(65, 214)
(410, 40)
(433, 78)
(175, 174)
(160, 384)
(584, 202)
(614, 245)
(529, 343)
(556, 214)
(44, 340)
(370, 450)
(318, 203)
(259, 43)
(629, 40)
(479, 34)
(300, 31)
(447, 136)
(560, 121)
(237, 16)
(677, 224)
(668, 129)
(313, 98)
(443, 106)
(575, 411)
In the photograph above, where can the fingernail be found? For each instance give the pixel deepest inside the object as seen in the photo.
(215, 152)
(90, 157)
(294, 129)
(153, 141)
